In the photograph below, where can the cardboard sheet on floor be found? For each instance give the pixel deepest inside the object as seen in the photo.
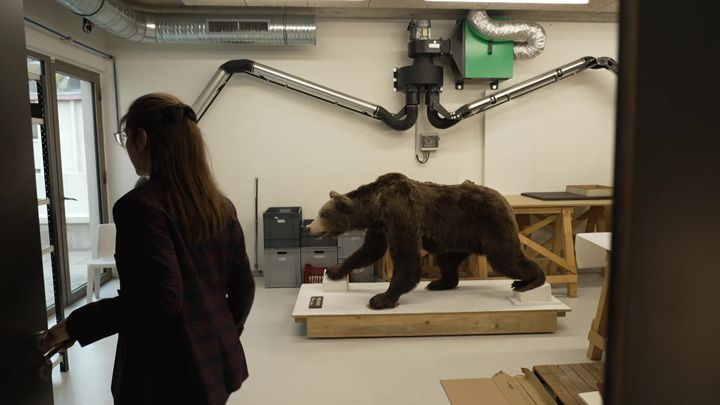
(501, 389)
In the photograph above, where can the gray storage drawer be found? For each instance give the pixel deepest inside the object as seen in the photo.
(282, 223)
(285, 243)
(349, 242)
(318, 257)
(282, 268)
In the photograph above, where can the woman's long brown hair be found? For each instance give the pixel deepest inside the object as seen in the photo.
(179, 163)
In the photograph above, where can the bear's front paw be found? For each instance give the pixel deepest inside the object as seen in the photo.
(334, 273)
(381, 301)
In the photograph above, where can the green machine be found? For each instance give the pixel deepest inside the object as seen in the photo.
(475, 58)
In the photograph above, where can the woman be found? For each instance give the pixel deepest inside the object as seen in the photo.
(185, 282)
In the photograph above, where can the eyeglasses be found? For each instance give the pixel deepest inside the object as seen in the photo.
(121, 137)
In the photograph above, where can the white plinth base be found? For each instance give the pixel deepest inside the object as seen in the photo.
(330, 285)
(540, 295)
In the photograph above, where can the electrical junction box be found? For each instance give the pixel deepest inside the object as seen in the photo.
(478, 58)
(429, 142)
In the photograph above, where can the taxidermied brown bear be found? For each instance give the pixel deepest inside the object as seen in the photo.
(451, 221)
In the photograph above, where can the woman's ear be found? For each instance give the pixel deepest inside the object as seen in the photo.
(141, 140)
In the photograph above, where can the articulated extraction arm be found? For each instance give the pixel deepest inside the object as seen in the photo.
(401, 121)
(450, 118)
(438, 116)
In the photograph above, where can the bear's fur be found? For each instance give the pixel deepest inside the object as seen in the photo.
(451, 221)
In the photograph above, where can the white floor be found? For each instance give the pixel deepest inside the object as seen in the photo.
(288, 368)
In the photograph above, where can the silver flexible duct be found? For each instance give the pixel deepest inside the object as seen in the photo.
(529, 38)
(221, 77)
(535, 83)
(128, 23)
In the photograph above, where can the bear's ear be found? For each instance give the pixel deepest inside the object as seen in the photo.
(342, 202)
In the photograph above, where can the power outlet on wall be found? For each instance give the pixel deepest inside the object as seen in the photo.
(428, 142)
(424, 144)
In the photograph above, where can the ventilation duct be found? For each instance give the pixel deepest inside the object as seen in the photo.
(529, 38)
(135, 25)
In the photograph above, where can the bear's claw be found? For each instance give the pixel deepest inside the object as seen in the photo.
(381, 301)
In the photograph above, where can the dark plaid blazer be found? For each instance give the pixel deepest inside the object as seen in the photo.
(180, 309)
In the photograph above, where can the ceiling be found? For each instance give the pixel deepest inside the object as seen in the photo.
(595, 10)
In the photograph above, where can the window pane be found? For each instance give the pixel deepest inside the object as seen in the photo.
(76, 118)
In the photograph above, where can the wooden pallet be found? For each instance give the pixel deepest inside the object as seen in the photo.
(566, 381)
(474, 308)
(430, 324)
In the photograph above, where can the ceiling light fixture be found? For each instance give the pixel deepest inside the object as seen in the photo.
(516, 1)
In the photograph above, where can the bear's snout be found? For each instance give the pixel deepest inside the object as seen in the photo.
(317, 229)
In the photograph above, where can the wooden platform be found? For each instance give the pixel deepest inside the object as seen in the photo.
(476, 307)
(566, 381)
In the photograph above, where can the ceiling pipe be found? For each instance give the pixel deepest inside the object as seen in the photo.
(130, 23)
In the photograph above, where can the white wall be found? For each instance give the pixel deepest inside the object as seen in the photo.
(301, 148)
(298, 147)
(563, 134)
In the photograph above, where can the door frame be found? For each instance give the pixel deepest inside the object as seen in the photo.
(55, 182)
(52, 66)
(25, 375)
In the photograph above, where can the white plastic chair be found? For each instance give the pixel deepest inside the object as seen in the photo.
(104, 259)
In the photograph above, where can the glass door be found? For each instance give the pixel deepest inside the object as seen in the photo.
(78, 122)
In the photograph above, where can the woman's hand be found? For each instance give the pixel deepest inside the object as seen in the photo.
(58, 336)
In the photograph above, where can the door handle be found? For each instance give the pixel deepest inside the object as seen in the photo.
(40, 340)
(45, 370)
(48, 353)
(70, 198)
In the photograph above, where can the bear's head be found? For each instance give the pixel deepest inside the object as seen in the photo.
(335, 217)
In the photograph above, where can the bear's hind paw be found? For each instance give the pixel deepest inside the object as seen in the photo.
(440, 284)
(525, 285)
